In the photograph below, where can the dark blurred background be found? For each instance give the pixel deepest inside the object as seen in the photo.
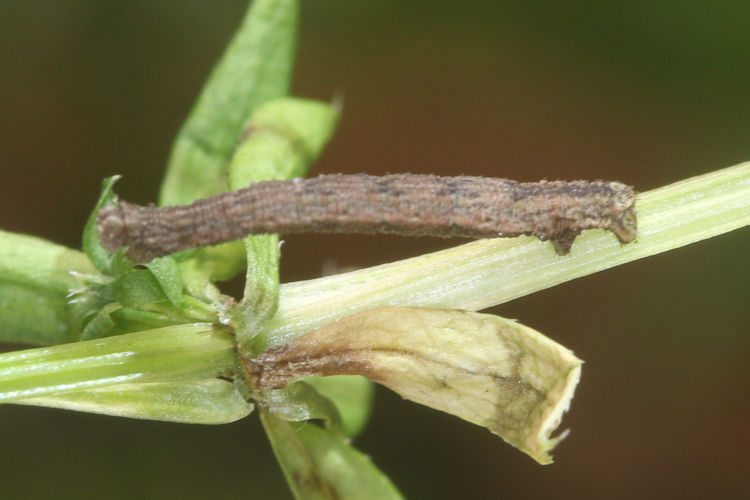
(643, 92)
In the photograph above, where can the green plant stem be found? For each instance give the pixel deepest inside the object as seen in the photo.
(472, 276)
(321, 465)
(490, 272)
(36, 277)
(182, 352)
(283, 138)
(39, 264)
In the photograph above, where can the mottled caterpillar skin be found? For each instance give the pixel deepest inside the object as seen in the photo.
(404, 204)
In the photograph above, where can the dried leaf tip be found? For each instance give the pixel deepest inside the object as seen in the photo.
(482, 368)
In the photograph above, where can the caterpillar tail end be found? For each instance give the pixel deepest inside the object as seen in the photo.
(113, 234)
(625, 226)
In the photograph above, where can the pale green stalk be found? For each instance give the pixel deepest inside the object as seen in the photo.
(485, 273)
(35, 278)
(181, 352)
(473, 276)
(283, 138)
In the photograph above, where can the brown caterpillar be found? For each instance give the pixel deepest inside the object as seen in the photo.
(405, 204)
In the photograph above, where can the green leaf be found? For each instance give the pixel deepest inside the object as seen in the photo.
(320, 465)
(36, 277)
(353, 396)
(167, 273)
(282, 140)
(106, 263)
(101, 323)
(210, 401)
(256, 67)
(29, 316)
(134, 300)
(138, 287)
(204, 267)
(183, 352)
(298, 403)
(40, 265)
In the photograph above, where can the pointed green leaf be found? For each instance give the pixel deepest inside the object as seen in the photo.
(256, 67)
(167, 272)
(281, 140)
(137, 288)
(101, 324)
(300, 402)
(105, 262)
(353, 396)
(320, 465)
(210, 401)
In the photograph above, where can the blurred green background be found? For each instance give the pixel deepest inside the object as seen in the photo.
(642, 92)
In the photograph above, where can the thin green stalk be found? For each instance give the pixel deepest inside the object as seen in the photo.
(485, 273)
